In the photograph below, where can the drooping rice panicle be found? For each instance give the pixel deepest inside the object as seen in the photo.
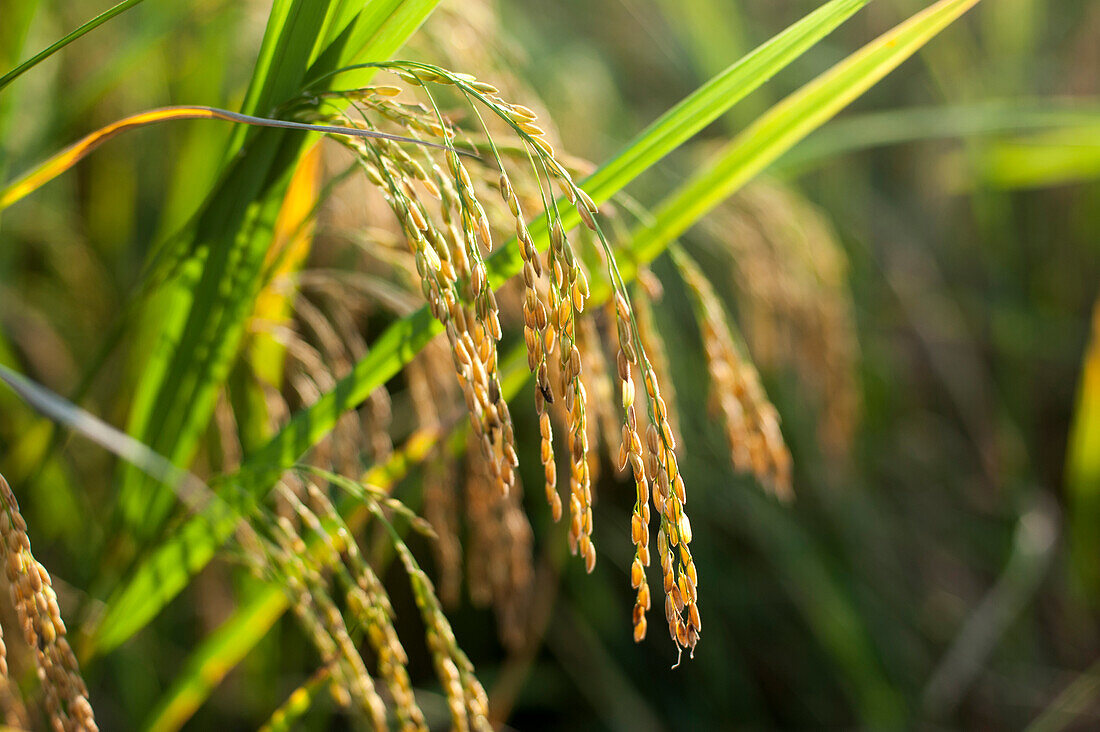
(453, 280)
(752, 422)
(274, 548)
(64, 692)
(467, 700)
(325, 622)
(654, 343)
(499, 552)
(793, 299)
(473, 332)
(367, 601)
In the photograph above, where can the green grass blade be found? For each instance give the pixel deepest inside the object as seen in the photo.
(17, 15)
(72, 417)
(201, 318)
(162, 575)
(1083, 469)
(789, 121)
(697, 111)
(50, 50)
(1050, 158)
(869, 130)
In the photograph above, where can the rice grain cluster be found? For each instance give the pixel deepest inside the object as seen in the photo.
(437, 198)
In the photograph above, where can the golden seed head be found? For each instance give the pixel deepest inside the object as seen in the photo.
(531, 129)
(693, 617)
(589, 557)
(586, 217)
(484, 88)
(543, 145)
(587, 202)
(621, 307)
(578, 297)
(520, 112)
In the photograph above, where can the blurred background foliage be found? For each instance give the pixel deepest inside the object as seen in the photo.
(930, 361)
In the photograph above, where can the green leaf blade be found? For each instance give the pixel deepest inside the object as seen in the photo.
(53, 48)
(791, 120)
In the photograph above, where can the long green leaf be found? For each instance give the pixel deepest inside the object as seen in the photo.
(859, 132)
(45, 53)
(718, 95)
(1049, 158)
(201, 316)
(162, 575)
(788, 122)
(72, 417)
(1083, 469)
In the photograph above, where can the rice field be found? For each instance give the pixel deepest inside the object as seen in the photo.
(424, 364)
